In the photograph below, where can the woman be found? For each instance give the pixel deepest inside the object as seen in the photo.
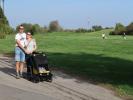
(30, 47)
(30, 44)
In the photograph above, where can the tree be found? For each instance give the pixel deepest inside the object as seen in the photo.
(3, 19)
(3, 5)
(129, 29)
(54, 26)
(4, 25)
(119, 29)
(36, 29)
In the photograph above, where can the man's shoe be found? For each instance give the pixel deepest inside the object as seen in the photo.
(21, 75)
(17, 77)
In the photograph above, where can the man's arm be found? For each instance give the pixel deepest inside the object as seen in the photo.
(19, 44)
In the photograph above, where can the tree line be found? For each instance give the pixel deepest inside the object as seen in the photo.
(54, 26)
(120, 29)
(36, 28)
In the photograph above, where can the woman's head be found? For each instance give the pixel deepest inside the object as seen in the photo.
(28, 35)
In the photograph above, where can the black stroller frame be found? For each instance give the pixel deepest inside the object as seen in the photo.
(37, 68)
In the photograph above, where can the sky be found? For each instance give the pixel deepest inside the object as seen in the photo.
(70, 13)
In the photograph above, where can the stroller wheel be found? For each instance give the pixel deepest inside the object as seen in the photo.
(49, 80)
(35, 79)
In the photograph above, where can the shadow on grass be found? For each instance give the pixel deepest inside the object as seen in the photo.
(97, 68)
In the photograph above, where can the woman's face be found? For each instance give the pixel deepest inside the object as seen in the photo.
(28, 36)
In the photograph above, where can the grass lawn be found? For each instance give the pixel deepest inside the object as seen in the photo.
(108, 62)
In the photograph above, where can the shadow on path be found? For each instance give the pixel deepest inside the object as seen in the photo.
(96, 68)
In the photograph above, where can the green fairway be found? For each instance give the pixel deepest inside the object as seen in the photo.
(108, 61)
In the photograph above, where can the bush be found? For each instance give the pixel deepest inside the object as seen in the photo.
(112, 33)
(2, 36)
(97, 28)
(82, 30)
(6, 29)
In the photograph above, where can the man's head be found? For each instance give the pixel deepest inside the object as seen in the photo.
(21, 28)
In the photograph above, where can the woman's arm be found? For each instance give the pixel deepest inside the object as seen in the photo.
(35, 45)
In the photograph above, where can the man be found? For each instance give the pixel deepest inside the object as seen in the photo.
(124, 35)
(19, 51)
(103, 35)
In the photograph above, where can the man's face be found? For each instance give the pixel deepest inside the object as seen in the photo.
(21, 30)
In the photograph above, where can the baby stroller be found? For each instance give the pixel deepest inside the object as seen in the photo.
(37, 67)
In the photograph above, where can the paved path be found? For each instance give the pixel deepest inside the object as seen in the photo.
(63, 87)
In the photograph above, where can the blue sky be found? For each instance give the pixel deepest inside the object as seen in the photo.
(70, 13)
